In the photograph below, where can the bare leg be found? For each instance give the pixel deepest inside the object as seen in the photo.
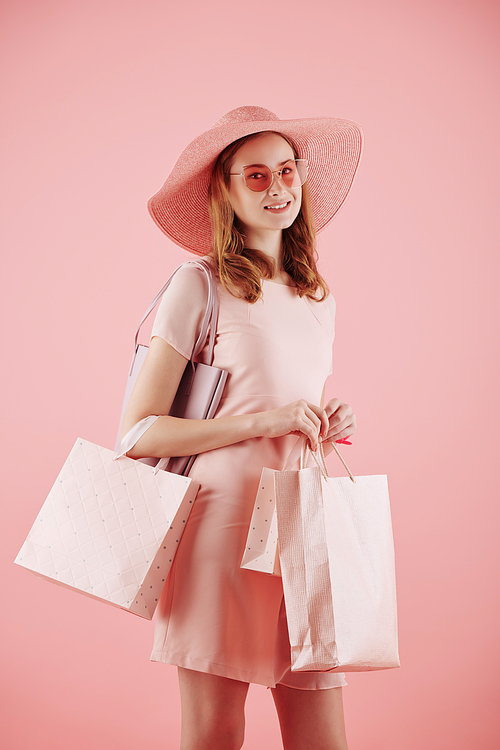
(311, 719)
(213, 711)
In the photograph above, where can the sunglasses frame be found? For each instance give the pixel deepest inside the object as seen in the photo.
(273, 172)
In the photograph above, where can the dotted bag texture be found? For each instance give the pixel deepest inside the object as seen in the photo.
(261, 550)
(110, 528)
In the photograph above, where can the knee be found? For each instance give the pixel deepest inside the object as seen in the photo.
(213, 711)
(215, 733)
(225, 735)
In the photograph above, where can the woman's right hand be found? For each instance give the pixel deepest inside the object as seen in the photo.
(300, 417)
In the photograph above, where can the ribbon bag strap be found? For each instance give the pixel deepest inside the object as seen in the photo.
(133, 435)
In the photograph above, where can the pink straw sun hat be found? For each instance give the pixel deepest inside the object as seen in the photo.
(331, 146)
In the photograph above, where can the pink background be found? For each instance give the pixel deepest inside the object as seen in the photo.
(98, 99)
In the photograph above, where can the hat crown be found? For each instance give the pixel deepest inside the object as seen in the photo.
(245, 114)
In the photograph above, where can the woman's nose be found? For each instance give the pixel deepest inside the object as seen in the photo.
(277, 186)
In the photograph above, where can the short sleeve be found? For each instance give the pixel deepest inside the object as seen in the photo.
(182, 309)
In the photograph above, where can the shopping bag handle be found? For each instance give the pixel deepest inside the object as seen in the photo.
(342, 460)
(133, 435)
(321, 463)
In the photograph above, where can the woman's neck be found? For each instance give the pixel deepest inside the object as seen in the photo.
(269, 243)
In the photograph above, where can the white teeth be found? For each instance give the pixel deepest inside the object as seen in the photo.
(276, 207)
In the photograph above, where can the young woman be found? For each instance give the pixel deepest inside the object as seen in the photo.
(246, 194)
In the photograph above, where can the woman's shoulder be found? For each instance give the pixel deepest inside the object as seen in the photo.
(195, 268)
(190, 281)
(330, 304)
(324, 312)
(327, 303)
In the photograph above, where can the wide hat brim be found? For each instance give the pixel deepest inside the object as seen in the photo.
(331, 146)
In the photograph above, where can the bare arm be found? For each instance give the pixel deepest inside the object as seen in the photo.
(154, 393)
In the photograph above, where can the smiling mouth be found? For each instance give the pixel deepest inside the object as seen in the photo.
(277, 207)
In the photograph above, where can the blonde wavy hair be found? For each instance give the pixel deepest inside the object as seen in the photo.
(240, 268)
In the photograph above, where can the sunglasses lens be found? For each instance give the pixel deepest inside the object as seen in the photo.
(258, 177)
(302, 167)
(293, 172)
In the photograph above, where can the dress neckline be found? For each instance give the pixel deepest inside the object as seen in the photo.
(280, 283)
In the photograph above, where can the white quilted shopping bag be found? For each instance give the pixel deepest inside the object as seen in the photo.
(110, 528)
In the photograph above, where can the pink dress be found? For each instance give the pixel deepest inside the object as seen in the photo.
(213, 616)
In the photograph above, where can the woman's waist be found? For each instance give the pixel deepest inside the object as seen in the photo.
(234, 471)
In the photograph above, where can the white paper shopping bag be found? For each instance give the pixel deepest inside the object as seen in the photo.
(337, 558)
(110, 528)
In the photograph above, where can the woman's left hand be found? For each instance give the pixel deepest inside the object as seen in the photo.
(341, 421)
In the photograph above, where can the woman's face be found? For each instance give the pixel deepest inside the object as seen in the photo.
(273, 209)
